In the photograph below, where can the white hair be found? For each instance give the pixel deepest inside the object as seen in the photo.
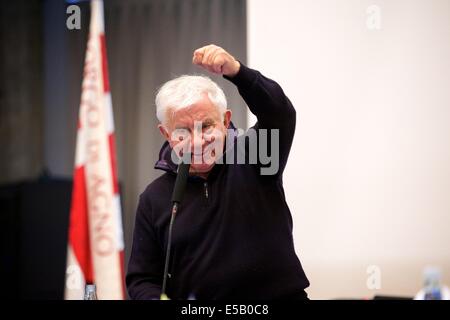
(186, 90)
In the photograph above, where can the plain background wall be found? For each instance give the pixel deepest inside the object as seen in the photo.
(368, 180)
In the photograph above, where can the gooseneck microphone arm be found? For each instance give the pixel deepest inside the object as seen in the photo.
(177, 196)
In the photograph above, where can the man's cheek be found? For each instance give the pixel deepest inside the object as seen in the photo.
(181, 150)
(214, 134)
(213, 150)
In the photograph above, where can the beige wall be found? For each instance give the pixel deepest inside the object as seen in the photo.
(368, 180)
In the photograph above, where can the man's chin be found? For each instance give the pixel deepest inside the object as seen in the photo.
(201, 167)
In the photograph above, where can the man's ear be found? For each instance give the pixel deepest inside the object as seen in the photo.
(227, 118)
(164, 132)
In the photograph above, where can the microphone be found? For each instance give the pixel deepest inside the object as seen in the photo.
(180, 182)
(177, 196)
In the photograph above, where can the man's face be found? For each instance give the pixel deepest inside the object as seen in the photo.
(199, 129)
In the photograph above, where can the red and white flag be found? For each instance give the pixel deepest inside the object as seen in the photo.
(95, 249)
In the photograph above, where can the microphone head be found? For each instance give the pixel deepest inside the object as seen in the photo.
(180, 182)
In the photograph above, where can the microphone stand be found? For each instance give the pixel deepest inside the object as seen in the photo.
(177, 196)
(169, 244)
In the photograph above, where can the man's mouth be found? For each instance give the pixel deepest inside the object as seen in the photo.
(212, 152)
(203, 158)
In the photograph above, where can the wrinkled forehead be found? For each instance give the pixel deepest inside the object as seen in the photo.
(203, 111)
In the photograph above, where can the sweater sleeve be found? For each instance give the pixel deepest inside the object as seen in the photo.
(145, 272)
(273, 109)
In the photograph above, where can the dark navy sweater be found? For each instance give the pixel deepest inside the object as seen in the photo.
(232, 236)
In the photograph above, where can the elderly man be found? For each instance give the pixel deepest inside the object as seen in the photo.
(232, 237)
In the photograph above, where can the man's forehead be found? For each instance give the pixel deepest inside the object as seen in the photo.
(190, 123)
(187, 116)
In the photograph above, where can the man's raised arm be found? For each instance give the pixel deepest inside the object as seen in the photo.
(264, 97)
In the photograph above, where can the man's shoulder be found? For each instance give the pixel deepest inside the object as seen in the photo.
(159, 187)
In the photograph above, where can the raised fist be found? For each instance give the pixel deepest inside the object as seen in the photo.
(216, 60)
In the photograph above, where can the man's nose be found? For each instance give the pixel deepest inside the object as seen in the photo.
(197, 142)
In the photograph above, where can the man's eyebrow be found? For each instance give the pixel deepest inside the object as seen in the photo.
(205, 122)
(208, 122)
(181, 127)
